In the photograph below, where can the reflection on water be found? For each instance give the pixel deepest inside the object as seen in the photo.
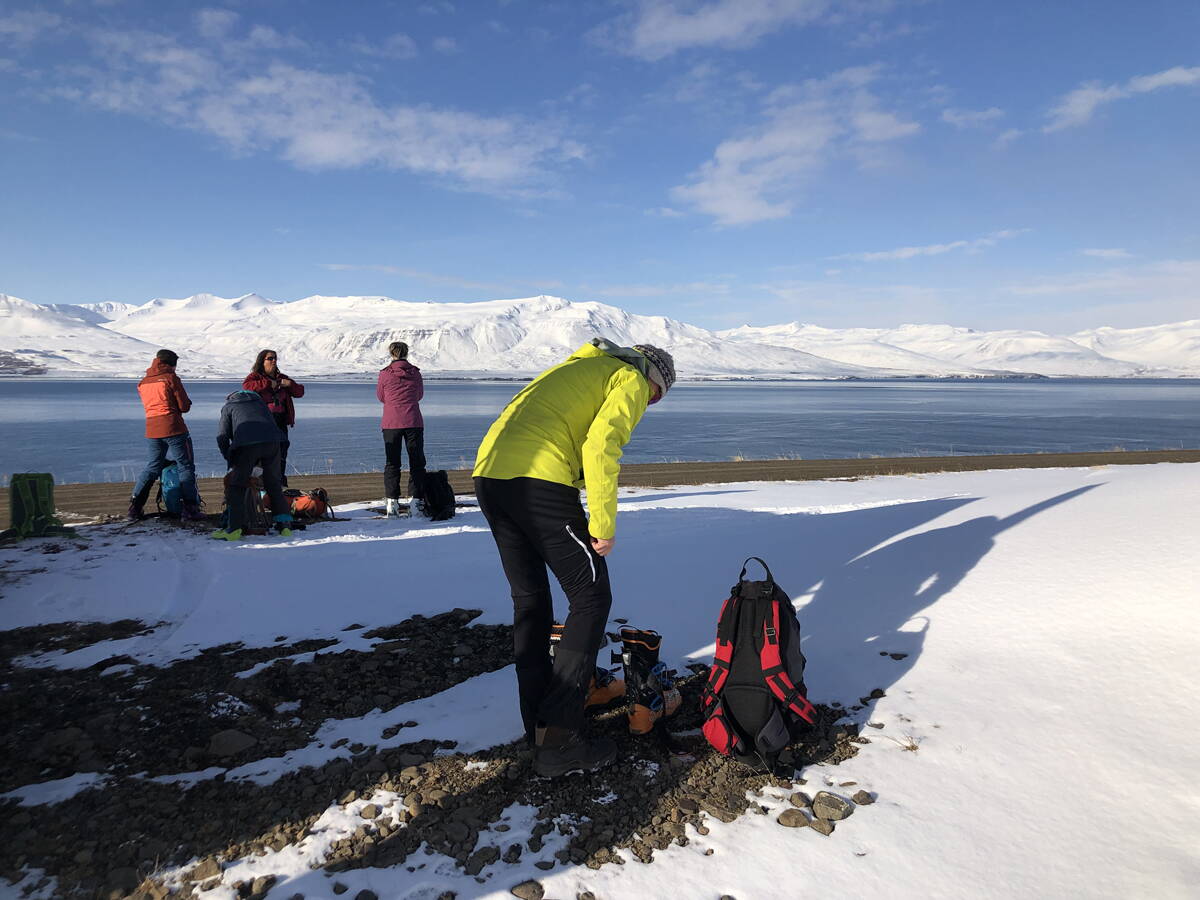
(92, 431)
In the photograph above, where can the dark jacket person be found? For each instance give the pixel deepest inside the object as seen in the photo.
(248, 437)
(278, 391)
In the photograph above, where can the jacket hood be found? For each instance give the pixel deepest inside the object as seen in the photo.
(243, 397)
(158, 367)
(401, 367)
(605, 347)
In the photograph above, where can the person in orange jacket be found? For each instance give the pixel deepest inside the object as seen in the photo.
(165, 402)
(278, 391)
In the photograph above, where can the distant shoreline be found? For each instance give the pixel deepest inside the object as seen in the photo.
(80, 502)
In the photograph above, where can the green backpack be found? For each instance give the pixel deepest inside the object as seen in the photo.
(31, 498)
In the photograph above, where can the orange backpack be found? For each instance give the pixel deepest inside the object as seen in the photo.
(312, 504)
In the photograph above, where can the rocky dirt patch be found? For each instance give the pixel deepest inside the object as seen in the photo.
(198, 712)
(107, 842)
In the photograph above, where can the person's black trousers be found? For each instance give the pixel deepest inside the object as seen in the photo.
(283, 449)
(538, 524)
(284, 443)
(414, 440)
(241, 461)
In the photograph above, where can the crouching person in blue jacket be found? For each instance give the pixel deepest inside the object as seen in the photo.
(249, 437)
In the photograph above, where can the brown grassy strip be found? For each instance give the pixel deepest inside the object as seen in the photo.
(89, 502)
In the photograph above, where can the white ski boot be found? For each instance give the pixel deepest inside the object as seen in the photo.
(393, 509)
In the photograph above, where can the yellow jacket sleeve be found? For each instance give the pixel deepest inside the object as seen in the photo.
(626, 401)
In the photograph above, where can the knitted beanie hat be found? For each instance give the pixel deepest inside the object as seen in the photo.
(662, 365)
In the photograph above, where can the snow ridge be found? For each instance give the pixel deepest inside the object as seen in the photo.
(323, 335)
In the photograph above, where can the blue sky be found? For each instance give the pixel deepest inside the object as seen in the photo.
(866, 162)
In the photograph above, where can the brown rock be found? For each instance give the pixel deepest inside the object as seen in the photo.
(528, 890)
(207, 869)
(821, 826)
(831, 807)
(793, 818)
(862, 798)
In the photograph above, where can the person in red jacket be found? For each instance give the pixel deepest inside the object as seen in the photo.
(400, 390)
(278, 391)
(165, 402)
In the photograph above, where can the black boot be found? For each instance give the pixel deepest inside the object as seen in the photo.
(649, 685)
(561, 751)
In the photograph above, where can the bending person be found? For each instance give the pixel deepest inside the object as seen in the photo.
(248, 437)
(563, 432)
(400, 389)
(167, 438)
(277, 391)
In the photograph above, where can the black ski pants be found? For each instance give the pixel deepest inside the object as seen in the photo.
(539, 524)
(241, 461)
(414, 440)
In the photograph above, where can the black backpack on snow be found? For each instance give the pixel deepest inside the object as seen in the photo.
(754, 703)
(436, 499)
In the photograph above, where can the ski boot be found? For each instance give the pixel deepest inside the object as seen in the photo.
(650, 685)
(223, 535)
(283, 522)
(604, 688)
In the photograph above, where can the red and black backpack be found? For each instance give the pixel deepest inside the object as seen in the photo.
(754, 703)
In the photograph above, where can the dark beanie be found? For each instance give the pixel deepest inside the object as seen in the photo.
(661, 363)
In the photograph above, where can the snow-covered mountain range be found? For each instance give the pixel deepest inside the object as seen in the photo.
(318, 335)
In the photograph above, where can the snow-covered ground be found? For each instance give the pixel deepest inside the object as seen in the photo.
(1040, 738)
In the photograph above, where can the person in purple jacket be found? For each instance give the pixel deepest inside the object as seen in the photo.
(400, 390)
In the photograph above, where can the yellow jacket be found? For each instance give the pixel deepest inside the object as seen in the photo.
(568, 426)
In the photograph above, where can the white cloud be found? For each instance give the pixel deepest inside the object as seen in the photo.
(1112, 253)
(313, 119)
(1077, 107)
(656, 290)
(264, 37)
(539, 284)
(989, 240)
(756, 177)
(971, 118)
(396, 46)
(1162, 291)
(26, 26)
(659, 28)
(215, 23)
(665, 212)
(18, 136)
(875, 34)
(1007, 137)
(418, 274)
(835, 303)
(445, 45)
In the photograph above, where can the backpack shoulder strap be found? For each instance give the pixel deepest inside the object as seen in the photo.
(775, 674)
(723, 658)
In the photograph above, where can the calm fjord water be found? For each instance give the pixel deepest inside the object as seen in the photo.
(92, 431)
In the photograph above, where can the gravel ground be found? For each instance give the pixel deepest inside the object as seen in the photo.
(141, 720)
